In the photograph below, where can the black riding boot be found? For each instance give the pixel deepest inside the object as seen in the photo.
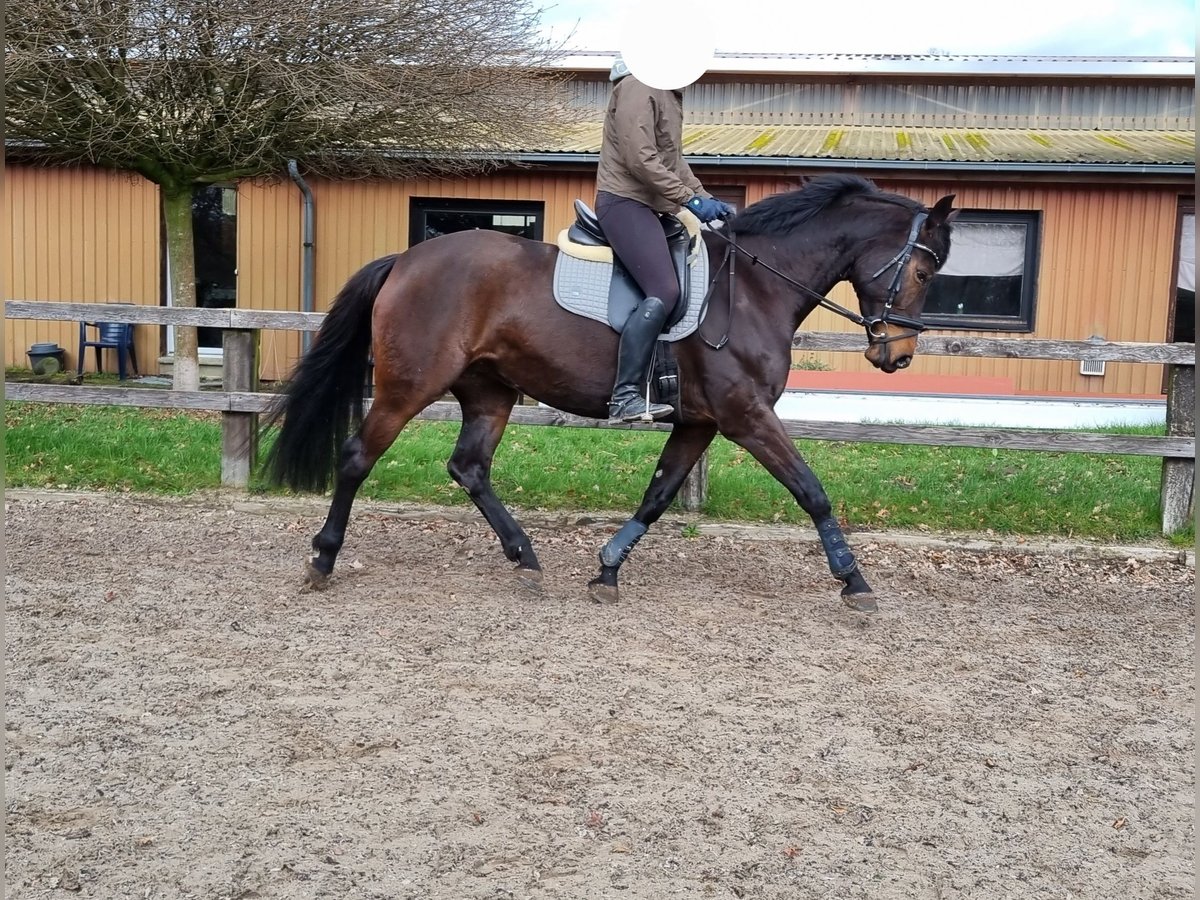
(633, 360)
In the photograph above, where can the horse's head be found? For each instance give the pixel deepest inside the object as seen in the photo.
(892, 275)
(843, 228)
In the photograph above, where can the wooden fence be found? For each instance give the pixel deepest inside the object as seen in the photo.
(240, 402)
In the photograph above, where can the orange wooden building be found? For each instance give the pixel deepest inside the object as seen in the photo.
(1076, 176)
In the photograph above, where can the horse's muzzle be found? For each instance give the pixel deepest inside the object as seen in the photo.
(892, 349)
(880, 356)
(894, 365)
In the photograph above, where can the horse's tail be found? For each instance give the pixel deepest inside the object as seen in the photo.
(324, 395)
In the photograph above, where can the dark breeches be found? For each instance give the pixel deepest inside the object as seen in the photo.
(636, 235)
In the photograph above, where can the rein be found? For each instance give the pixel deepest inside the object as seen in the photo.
(887, 316)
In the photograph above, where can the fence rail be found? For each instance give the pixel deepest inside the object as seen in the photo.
(240, 402)
(850, 342)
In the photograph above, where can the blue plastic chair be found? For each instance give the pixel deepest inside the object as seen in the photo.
(116, 336)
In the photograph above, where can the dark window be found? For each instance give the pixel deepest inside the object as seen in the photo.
(434, 217)
(989, 280)
(1183, 322)
(214, 237)
(734, 196)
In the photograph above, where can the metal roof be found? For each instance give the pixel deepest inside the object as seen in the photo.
(997, 147)
(920, 64)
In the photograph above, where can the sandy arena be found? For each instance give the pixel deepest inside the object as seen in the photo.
(184, 720)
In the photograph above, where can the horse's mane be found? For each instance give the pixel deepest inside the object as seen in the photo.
(782, 213)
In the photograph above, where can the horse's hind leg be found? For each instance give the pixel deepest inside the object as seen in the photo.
(359, 455)
(486, 406)
(763, 435)
(679, 454)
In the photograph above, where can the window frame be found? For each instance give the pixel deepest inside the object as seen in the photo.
(1025, 321)
(420, 207)
(207, 351)
(1186, 207)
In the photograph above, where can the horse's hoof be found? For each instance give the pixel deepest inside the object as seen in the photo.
(606, 594)
(530, 579)
(314, 577)
(863, 603)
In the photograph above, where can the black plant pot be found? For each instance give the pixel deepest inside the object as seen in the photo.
(46, 358)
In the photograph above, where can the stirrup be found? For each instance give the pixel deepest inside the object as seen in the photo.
(637, 409)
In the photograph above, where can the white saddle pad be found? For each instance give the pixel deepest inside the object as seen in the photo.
(581, 287)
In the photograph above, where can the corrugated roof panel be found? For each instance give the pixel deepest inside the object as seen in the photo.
(1110, 104)
(919, 63)
(919, 144)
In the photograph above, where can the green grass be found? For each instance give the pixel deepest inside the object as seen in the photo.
(111, 448)
(871, 485)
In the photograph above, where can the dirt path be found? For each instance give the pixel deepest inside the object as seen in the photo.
(183, 721)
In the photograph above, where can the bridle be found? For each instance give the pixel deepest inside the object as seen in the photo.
(888, 316)
(876, 326)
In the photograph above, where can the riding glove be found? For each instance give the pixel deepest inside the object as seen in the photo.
(707, 209)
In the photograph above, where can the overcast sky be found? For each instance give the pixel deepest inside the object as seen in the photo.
(1073, 27)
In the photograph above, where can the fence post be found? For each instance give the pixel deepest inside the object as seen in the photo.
(239, 430)
(1178, 495)
(694, 492)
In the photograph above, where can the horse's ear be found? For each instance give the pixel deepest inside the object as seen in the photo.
(942, 212)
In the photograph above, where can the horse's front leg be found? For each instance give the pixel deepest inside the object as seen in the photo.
(764, 436)
(682, 450)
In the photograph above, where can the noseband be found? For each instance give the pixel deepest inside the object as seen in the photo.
(876, 326)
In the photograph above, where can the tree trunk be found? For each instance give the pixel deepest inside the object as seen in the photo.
(181, 259)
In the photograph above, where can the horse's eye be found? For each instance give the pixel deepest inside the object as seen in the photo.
(922, 276)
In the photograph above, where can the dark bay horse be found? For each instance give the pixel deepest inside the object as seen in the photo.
(473, 313)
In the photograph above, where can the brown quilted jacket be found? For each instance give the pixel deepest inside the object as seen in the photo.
(641, 156)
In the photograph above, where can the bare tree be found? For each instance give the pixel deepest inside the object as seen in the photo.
(189, 92)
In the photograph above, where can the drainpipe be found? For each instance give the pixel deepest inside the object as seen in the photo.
(306, 272)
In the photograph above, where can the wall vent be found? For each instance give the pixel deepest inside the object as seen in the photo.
(1091, 367)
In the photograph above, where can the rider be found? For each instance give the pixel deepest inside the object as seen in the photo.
(642, 173)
